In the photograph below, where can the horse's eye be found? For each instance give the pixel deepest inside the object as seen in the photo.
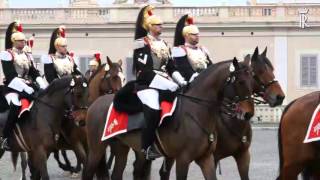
(84, 84)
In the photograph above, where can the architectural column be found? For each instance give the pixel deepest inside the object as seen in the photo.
(281, 61)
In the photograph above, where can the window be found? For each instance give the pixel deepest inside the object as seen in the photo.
(266, 12)
(84, 63)
(37, 63)
(308, 71)
(129, 75)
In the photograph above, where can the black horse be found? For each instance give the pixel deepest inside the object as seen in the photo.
(39, 130)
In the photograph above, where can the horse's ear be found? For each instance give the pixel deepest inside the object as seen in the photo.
(247, 59)
(235, 63)
(255, 54)
(120, 62)
(264, 54)
(109, 61)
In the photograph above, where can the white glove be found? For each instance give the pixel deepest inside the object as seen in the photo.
(20, 85)
(194, 75)
(28, 89)
(179, 79)
(41, 83)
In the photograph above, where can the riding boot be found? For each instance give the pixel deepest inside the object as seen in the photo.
(9, 126)
(152, 119)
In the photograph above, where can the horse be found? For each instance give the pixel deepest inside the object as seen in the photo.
(235, 135)
(38, 131)
(106, 82)
(295, 156)
(204, 96)
(103, 81)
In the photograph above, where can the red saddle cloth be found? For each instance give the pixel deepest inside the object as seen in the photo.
(117, 122)
(313, 133)
(25, 106)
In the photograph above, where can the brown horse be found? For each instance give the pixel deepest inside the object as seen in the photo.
(42, 125)
(204, 96)
(294, 155)
(101, 82)
(105, 82)
(235, 135)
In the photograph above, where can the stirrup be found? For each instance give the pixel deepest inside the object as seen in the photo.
(151, 153)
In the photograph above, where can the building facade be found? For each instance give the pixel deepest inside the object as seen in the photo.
(227, 31)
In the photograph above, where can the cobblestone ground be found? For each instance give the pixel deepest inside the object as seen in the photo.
(264, 163)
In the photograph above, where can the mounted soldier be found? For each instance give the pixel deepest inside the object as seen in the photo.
(58, 62)
(155, 71)
(190, 58)
(20, 75)
(93, 65)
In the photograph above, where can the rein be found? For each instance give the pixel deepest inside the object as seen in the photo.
(208, 103)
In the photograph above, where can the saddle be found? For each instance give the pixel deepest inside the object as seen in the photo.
(126, 99)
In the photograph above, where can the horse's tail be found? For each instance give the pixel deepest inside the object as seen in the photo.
(14, 159)
(280, 139)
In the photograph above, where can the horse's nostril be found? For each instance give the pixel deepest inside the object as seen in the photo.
(279, 97)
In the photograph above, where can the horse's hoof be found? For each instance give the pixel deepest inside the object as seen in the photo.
(75, 175)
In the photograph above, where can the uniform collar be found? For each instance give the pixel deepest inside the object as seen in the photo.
(152, 38)
(18, 51)
(60, 56)
(191, 46)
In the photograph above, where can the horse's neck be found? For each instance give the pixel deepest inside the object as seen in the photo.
(210, 86)
(208, 91)
(233, 125)
(94, 88)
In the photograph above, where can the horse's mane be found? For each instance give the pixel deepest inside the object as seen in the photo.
(57, 85)
(96, 72)
(268, 63)
(198, 81)
(206, 72)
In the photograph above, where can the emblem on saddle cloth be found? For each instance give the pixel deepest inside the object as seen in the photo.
(121, 122)
(313, 133)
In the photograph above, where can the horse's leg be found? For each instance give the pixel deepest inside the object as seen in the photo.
(60, 164)
(110, 160)
(207, 166)
(66, 159)
(243, 162)
(165, 169)
(102, 171)
(1, 153)
(120, 152)
(34, 172)
(80, 153)
(142, 167)
(24, 164)
(291, 171)
(182, 168)
(96, 154)
(39, 161)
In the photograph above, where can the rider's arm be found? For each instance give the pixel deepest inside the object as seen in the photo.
(208, 55)
(8, 66)
(33, 72)
(12, 79)
(143, 61)
(181, 62)
(49, 71)
(76, 71)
